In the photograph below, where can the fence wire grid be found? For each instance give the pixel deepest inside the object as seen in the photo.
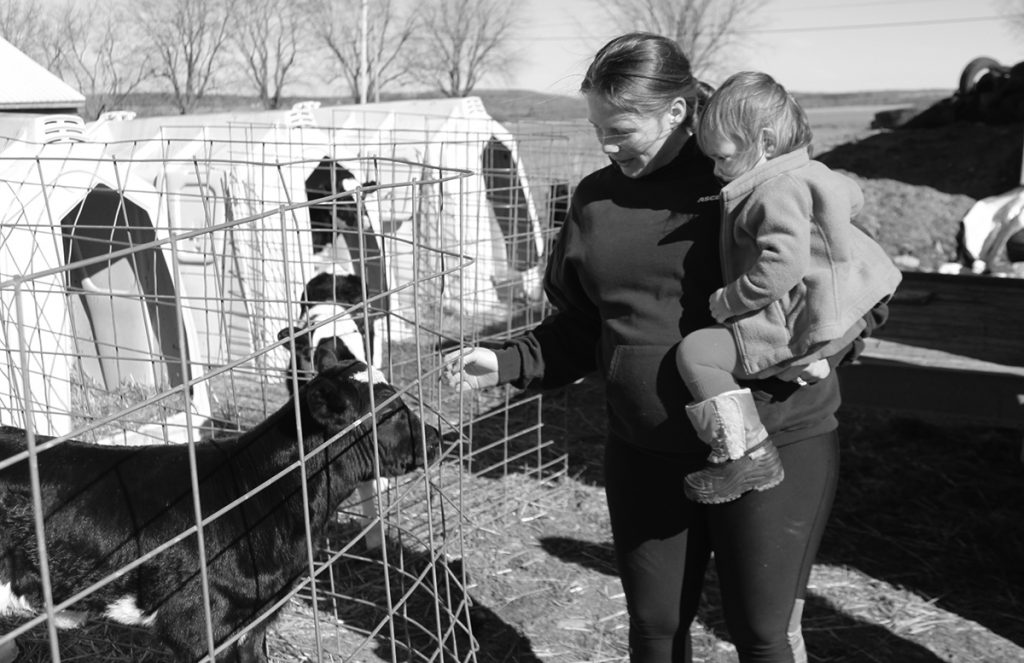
(152, 293)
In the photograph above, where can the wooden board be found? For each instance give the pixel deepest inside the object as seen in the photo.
(976, 317)
(969, 396)
(953, 346)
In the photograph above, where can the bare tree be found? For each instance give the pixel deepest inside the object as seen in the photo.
(707, 30)
(1013, 11)
(26, 26)
(463, 40)
(267, 40)
(388, 31)
(90, 48)
(188, 38)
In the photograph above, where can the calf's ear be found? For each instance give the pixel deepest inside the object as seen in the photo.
(301, 337)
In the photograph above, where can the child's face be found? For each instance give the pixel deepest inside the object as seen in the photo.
(730, 160)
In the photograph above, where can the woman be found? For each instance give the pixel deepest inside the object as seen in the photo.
(630, 274)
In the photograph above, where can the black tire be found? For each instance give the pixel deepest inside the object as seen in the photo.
(977, 68)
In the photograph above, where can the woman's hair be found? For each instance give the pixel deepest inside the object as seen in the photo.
(745, 105)
(642, 73)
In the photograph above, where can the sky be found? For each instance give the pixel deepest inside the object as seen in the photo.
(807, 45)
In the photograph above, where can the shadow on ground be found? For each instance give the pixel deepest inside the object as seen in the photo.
(830, 635)
(431, 615)
(935, 508)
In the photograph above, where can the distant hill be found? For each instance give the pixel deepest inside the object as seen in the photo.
(871, 98)
(507, 105)
(528, 105)
(520, 105)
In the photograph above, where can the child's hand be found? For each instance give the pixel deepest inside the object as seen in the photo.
(716, 302)
(807, 374)
(816, 371)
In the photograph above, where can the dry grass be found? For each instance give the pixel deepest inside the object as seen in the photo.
(92, 402)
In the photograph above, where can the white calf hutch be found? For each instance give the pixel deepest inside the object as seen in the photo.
(109, 296)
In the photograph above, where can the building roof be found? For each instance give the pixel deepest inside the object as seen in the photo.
(25, 85)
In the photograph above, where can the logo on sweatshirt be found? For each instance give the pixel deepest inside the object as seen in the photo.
(708, 199)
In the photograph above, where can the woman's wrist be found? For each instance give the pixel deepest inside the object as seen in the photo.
(510, 363)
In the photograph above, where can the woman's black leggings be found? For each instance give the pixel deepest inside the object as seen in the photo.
(764, 544)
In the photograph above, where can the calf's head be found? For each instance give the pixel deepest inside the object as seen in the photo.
(335, 288)
(340, 394)
(312, 351)
(332, 322)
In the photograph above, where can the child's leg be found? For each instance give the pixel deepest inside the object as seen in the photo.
(707, 361)
(742, 457)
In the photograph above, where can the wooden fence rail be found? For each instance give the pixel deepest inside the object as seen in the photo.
(953, 348)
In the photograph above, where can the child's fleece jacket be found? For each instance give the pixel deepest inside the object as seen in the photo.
(800, 276)
(629, 275)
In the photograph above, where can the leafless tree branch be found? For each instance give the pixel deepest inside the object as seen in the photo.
(707, 30)
(389, 30)
(267, 42)
(1013, 10)
(26, 26)
(188, 38)
(463, 40)
(90, 48)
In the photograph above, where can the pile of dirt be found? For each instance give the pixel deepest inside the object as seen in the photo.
(919, 182)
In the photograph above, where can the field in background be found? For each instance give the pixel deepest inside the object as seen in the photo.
(526, 104)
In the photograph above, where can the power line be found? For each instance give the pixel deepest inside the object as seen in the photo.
(891, 24)
(854, 5)
(830, 28)
(818, 8)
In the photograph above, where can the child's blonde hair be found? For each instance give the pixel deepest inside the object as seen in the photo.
(745, 105)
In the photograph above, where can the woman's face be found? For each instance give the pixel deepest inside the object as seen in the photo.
(632, 140)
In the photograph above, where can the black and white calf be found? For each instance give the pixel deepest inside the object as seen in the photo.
(333, 318)
(342, 214)
(105, 507)
(335, 321)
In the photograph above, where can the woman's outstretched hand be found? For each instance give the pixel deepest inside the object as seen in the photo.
(470, 368)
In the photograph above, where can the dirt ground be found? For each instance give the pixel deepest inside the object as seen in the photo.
(919, 183)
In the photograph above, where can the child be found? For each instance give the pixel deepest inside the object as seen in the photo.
(799, 279)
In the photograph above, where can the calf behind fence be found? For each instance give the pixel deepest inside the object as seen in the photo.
(120, 527)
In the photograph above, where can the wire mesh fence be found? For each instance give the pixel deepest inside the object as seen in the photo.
(172, 283)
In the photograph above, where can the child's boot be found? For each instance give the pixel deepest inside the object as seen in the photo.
(742, 457)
